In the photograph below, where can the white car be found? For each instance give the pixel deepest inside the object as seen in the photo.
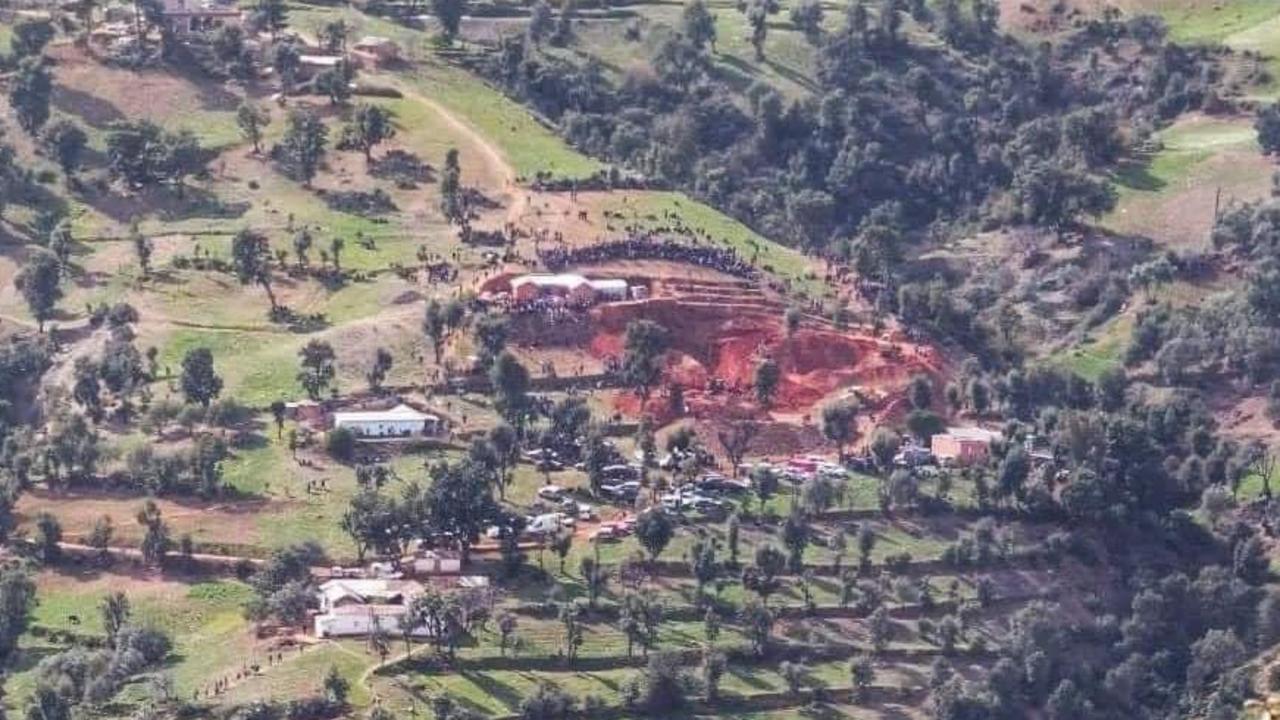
(685, 499)
(832, 471)
(547, 523)
(580, 510)
(551, 492)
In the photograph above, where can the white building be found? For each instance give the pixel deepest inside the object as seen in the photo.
(399, 421)
(572, 288)
(436, 562)
(190, 17)
(358, 606)
(610, 290)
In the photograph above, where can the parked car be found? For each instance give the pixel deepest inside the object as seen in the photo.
(720, 484)
(623, 491)
(608, 533)
(832, 471)
(551, 522)
(552, 492)
(620, 472)
(582, 511)
(860, 463)
(679, 500)
(705, 504)
(544, 458)
(714, 513)
(913, 456)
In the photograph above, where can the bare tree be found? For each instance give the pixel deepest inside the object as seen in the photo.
(736, 438)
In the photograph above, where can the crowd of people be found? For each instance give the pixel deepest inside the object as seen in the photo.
(649, 247)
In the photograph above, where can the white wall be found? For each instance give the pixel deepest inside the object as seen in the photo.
(389, 428)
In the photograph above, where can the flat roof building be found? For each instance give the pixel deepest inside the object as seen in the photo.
(963, 446)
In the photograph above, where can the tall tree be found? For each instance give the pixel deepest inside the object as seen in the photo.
(251, 260)
(334, 36)
(371, 125)
(449, 14)
(459, 504)
(30, 89)
(698, 24)
(115, 612)
(287, 61)
(758, 19)
(435, 324)
(155, 541)
(317, 373)
(29, 37)
(840, 423)
(510, 381)
(302, 242)
(644, 346)
(304, 143)
(67, 141)
(491, 333)
(270, 15)
(767, 378)
(451, 204)
(38, 282)
(142, 248)
(252, 121)
(17, 598)
(87, 391)
(1267, 124)
(505, 442)
(541, 22)
(200, 382)
(806, 15)
(654, 531)
(382, 362)
(335, 82)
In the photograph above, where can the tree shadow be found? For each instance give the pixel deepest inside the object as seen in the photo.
(1136, 174)
(748, 677)
(500, 691)
(792, 75)
(404, 168)
(212, 94)
(165, 205)
(93, 110)
(735, 72)
(29, 657)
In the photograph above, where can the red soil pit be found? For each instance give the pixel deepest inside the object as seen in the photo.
(727, 342)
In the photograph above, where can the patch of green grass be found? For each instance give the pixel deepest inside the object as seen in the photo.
(789, 63)
(204, 621)
(1263, 38)
(302, 674)
(249, 470)
(500, 692)
(1194, 21)
(257, 368)
(1184, 146)
(527, 144)
(317, 518)
(1091, 360)
(1170, 195)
